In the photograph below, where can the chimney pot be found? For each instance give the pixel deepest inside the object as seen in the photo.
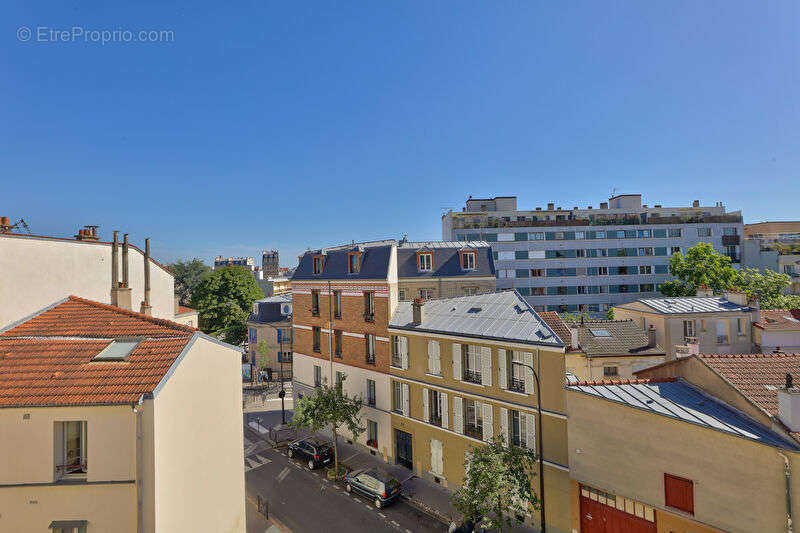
(418, 311)
(551, 206)
(789, 405)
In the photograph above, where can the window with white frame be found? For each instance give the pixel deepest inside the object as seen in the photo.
(468, 260)
(674, 250)
(704, 232)
(519, 430)
(398, 397)
(536, 254)
(425, 261)
(536, 236)
(688, 328)
(71, 449)
(426, 294)
(473, 418)
(516, 372)
(579, 235)
(472, 363)
(645, 269)
(502, 237)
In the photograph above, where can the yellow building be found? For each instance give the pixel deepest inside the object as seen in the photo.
(458, 379)
(106, 417)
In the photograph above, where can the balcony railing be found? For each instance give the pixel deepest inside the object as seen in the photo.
(397, 361)
(317, 348)
(722, 339)
(436, 420)
(600, 220)
(730, 240)
(371, 401)
(370, 358)
(473, 431)
(517, 385)
(369, 317)
(472, 376)
(315, 311)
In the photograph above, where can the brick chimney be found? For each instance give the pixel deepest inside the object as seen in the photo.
(418, 311)
(789, 405)
(5, 225)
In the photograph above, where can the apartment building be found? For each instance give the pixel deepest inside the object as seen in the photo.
(270, 263)
(459, 377)
(605, 349)
(444, 269)
(38, 270)
(590, 259)
(270, 335)
(774, 246)
(116, 421)
(696, 324)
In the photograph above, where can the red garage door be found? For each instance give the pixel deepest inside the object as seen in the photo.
(602, 512)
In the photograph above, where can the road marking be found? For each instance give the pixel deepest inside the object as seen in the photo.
(395, 523)
(252, 463)
(382, 515)
(263, 460)
(284, 473)
(408, 531)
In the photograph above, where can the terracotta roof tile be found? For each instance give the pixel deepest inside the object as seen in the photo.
(623, 381)
(552, 319)
(183, 309)
(39, 367)
(779, 319)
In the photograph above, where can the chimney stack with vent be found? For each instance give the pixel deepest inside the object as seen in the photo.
(88, 233)
(146, 309)
(418, 311)
(551, 206)
(122, 290)
(115, 270)
(789, 405)
(651, 336)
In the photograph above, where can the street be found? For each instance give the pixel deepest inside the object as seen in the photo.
(305, 500)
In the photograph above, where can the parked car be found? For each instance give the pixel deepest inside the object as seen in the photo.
(316, 451)
(378, 486)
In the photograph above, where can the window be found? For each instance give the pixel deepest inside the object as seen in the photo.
(645, 269)
(339, 377)
(643, 233)
(516, 373)
(536, 254)
(623, 270)
(470, 291)
(354, 262)
(369, 306)
(71, 461)
(473, 419)
(645, 251)
(519, 432)
(704, 232)
(679, 493)
(610, 371)
(371, 392)
(426, 294)
(600, 235)
(674, 250)
(370, 346)
(537, 236)
(580, 252)
(675, 232)
(688, 328)
(317, 264)
(425, 261)
(337, 343)
(372, 433)
(401, 294)
(505, 237)
(620, 234)
(537, 272)
(579, 235)
(602, 271)
(468, 260)
(729, 231)
(316, 332)
(647, 287)
(398, 397)
(397, 359)
(435, 402)
(740, 325)
(582, 289)
(521, 254)
(505, 256)
(537, 291)
(337, 304)
(472, 363)
(317, 375)
(722, 332)
(315, 302)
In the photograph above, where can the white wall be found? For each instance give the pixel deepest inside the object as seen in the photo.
(199, 450)
(789, 341)
(37, 272)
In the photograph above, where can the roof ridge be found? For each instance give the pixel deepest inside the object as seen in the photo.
(141, 316)
(747, 355)
(625, 381)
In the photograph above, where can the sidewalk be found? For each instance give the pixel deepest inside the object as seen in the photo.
(257, 523)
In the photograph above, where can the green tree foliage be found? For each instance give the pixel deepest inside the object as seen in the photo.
(188, 275)
(329, 406)
(224, 299)
(497, 485)
(700, 266)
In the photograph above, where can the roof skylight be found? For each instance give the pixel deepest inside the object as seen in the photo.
(118, 350)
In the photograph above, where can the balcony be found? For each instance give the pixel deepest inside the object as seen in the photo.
(397, 361)
(722, 339)
(472, 376)
(436, 420)
(474, 431)
(459, 222)
(517, 385)
(730, 240)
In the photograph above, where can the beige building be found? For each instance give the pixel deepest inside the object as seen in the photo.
(458, 379)
(39, 270)
(270, 335)
(605, 349)
(778, 330)
(707, 323)
(107, 416)
(187, 316)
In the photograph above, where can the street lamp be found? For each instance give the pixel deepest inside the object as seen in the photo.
(538, 438)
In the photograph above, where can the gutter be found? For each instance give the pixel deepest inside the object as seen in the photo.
(788, 475)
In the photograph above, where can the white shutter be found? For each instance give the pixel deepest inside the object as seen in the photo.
(406, 397)
(431, 363)
(504, 424)
(426, 408)
(488, 422)
(443, 397)
(502, 355)
(527, 358)
(457, 361)
(437, 359)
(437, 462)
(458, 420)
(530, 432)
(404, 352)
(486, 366)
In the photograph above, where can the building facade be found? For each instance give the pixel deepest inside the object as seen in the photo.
(456, 383)
(246, 262)
(38, 270)
(702, 324)
(98, 406)
(590, 259)
(777, 331)
(270, 335)
(270, 263)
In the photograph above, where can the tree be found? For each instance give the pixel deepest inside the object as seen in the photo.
(224, 299)
(700, 266)
(330, 406)
(262, 354)
(768, 287)
(497, 485)
(188, 274)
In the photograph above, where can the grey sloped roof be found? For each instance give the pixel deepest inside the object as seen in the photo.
(445, 259)
(374, 263)
(674, 398)
(624, 338)
(278, 298)
(693, 304)
(497, 316)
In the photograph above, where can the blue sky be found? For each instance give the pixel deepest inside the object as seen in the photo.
(301, 124)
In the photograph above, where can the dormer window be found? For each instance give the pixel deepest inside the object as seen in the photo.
(424, 261)
(318, 263)
(354, 262)
(468, 260)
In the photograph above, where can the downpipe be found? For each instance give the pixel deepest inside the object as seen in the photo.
(788, 475)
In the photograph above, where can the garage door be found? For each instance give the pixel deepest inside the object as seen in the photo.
(602, 512)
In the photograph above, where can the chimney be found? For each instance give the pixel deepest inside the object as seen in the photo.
(704, 291)
(418, 311)
(573, 338)
(789, 405)
(755, 309)
(88, 233)
(551, 206)
(696, 203)
(115, 270)
(121, 292)
(5, 225)
(125, 244)
(737, 297)
(603, 205)
(146, 308)
(651, 336)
